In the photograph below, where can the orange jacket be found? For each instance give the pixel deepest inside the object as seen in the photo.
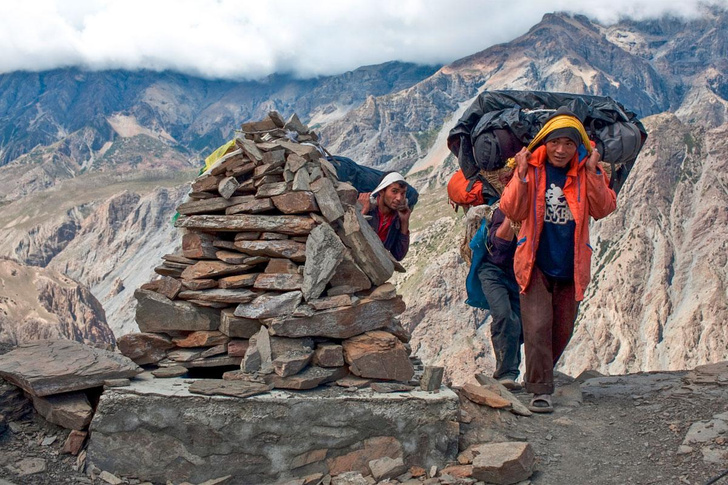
(587, 194)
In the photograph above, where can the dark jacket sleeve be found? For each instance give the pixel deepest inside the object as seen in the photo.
(500, 251)
(400, 244)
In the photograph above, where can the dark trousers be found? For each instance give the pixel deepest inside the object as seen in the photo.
(501, 291)
(548, 310)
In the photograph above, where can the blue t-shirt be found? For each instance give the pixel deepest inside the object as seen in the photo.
(555, 254)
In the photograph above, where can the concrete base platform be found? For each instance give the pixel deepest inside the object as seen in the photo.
(156, 430)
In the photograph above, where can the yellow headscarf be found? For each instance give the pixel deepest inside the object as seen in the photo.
(560, 121)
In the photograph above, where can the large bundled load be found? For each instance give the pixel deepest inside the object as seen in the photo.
(499, 123)
(279, 273)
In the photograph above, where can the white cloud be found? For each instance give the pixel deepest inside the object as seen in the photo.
(250, 39)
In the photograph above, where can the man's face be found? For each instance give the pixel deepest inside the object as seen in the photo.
(393, 197)
(560, 151)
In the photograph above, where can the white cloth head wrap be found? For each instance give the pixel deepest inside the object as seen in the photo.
(388, 180)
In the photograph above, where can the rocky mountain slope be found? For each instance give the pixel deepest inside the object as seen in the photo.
(659, 295)
(38, 303)
(85, 110)
(661, 308)
(648, 66)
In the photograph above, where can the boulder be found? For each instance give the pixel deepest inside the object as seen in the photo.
(431, 379)
(329, 355)
(503, 463)
(484, 396)
(211, 387)
(295, 251)
(278, 281)
(213, 269)
(348, 277)
(198, 245)
(294, 225)
(378, 355)
(202, 338)
(298, 202)
(220, 295)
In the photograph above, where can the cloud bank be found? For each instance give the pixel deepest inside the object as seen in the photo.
(229, 39)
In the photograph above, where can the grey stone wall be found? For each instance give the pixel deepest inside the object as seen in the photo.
(156, 430)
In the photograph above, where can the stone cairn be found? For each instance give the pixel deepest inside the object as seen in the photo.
(280, 274)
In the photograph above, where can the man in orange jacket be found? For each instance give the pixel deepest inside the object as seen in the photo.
(556, 189)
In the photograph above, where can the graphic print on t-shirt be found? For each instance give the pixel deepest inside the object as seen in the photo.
(557, 210)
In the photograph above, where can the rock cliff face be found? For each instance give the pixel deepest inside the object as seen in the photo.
(38, 303)
(114, 245)
(106, 243)
(658, 298)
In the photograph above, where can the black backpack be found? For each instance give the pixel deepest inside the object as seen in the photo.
(499, 123)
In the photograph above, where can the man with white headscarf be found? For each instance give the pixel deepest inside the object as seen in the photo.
(390, 213)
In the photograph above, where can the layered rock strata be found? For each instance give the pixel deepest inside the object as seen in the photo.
(279, 274)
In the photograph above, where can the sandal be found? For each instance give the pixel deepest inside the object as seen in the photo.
(541, 403)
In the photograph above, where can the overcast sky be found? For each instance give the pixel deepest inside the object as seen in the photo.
(250, 39)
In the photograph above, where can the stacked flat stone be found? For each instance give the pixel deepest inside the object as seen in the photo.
(279, 273)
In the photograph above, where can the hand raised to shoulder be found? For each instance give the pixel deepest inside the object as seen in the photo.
(592, 163)
(364, 201)
(522, 158)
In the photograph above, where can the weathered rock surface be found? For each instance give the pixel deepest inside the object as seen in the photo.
(51, 367)
(156, 313)
(37, 303)
(270, 305)
(69, 410)
(167, 416)
(292, 250)
(504, 463)
(484, 396)
(144, 348)
(367, 250)
(294, 225)
(237, 327)
(341, 322)
(219, 387)
(378, 355)
(324, 253)
(202, 338)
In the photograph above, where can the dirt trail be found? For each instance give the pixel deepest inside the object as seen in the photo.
(627, 430)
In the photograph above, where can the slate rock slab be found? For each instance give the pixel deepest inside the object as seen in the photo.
(155, 313)
(49, 367)
(210, 387)
(70, 411)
